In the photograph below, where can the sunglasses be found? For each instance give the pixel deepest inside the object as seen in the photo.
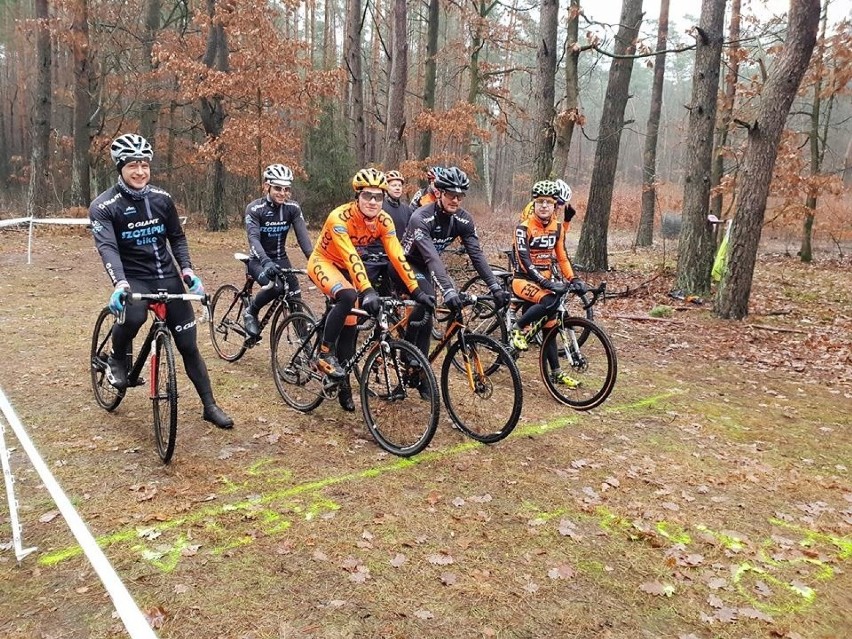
(545, 202)
(279, 189)
(458, 197)
(372, 197)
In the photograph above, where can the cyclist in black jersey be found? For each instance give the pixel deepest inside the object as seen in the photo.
(268, 221)
(373, 255)
(431, 229)
(139, 237)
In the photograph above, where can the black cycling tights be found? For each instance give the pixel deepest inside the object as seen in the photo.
(181, 320)
(344, 300)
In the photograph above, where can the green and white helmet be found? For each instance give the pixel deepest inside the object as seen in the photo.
(545, 188)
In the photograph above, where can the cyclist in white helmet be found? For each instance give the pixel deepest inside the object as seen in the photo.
(141, 242)
(268, 222)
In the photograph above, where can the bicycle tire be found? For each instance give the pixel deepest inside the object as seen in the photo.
(226, 323)
(294, 348)
(107, 396)
(591, 362)
(286, 308)
(476, 384)
(164, 394)
(483, 317)
(399, 419)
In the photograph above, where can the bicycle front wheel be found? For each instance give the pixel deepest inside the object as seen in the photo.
(292, 305)
(164, 395)
(106, 395)
(294, 348)
(483, 317)
(226, 323)
(482, 390)
(399, 398)
(585, 367)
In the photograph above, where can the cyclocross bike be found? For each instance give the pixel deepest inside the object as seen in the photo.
(480, 381)
(227, 332)
(390, 376)
(162, 384)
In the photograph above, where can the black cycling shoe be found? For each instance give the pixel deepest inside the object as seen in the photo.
(217, 417)
(425, 390)
(116, 373)
(344, 396)
(250, 322)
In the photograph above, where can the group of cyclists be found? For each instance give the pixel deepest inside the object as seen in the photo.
(375, 243)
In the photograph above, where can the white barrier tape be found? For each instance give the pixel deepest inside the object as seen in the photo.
(15, 221)
(134, 621)
(17, 540)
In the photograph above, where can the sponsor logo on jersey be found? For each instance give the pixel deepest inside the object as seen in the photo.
(339, 229)
(130, 210)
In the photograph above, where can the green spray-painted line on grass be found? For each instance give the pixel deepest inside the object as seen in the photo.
(259, 469)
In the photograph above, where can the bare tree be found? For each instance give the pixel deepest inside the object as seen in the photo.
(592, 249)
(569, 114)
(761, 151)
(81, 192)
(213, 118)
(150, 107)
(352, 54)
(430, 76)
(397, 85)
(697, 241)
(40, 183)
(545, 94)
(645, 232)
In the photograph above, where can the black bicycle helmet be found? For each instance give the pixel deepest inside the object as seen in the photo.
(452, 179)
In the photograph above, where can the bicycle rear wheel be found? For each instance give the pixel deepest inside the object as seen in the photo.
(586, 355)
(294, 348)
(397, 417)
(481, 387)
(164, 395)
(286, 308)
(106, 395)
(483, 317)
(226, 323)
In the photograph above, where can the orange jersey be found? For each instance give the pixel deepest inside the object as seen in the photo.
(536, 244)
(345, 229)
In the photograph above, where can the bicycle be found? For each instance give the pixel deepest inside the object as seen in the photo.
(479, 378)
(580, 344)
(163, 377)
(390, 377)
(227, 332)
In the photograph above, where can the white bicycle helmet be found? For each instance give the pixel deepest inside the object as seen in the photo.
(564, 191)
(128, 147)
(278, 174)
(545, 188)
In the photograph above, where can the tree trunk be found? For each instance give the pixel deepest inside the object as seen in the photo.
(724, 121)
(430, 76)
(38, 196)
(213, 118)
(697, 241)
(356, 81)
(817, 154)
(395, 129)
(81, 193)
(545, 93)
(150, 108)
(759, 161)
(592, 248)
(645, 232)
(569, 115)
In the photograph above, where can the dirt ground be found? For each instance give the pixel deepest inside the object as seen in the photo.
(710, 496)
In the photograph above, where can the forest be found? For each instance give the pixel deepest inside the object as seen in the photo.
(688, 112)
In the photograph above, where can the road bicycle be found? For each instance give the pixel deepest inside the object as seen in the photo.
(480, 381)
(227, 331)
(162, 383)
(576, 344)
(390, 377)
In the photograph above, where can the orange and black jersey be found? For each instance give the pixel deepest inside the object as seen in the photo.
(346, 230)
(536, 244)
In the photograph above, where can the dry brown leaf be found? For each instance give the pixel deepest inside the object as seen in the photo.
(562, 571)
(156, 617)
(656, 588)
(440, 559)
(433, 497)
(49, 516)
(448, 578)
(398, 559)
(423, 614)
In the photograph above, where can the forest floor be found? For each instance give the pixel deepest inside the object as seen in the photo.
(709, 497)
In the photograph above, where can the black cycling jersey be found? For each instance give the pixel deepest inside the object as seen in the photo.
(137, 237)
(430, 231)
(267, 226)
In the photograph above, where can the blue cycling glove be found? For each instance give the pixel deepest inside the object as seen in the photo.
(116, 300)
(193, 282)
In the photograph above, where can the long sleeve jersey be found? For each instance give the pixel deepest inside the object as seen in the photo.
(346, 230)
(400, 212)
(267, 226)
(430, 231)
(536, 244)
(138, 238)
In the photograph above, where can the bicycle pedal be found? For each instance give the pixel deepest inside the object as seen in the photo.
(251, 341)
(140, 381)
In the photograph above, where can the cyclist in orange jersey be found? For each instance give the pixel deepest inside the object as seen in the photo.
(337, 269)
